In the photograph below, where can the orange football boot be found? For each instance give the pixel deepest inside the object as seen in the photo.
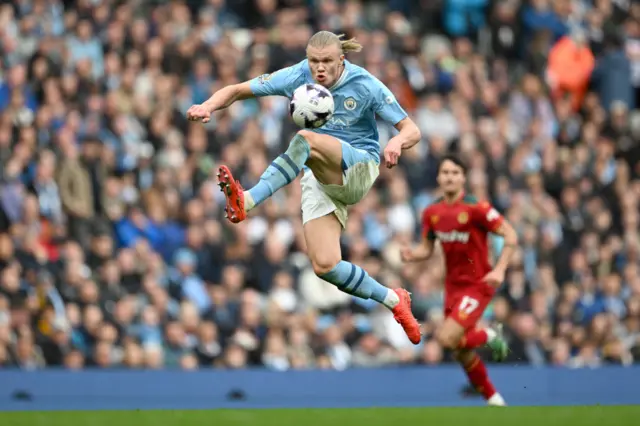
(403, 315)
(233, 192)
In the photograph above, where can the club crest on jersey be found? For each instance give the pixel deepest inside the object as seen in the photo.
(434, 219)
(350, 104)
(463, 218)
(264, 78)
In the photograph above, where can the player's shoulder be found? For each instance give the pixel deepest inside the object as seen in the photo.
(356, 71)
(483, 205)
(473, 203)
(358, 75)
(470, 200)
(484, 208)
(434, 207)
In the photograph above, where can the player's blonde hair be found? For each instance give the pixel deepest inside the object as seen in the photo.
(327, 38)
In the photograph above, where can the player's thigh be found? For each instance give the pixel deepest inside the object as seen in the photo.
(360, 169)
(325, 159)
(450, 333)
(322, 236)
(317, 202)
(469, 305)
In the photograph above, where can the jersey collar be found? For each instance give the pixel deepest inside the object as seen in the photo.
(343, 77)
(458, 198)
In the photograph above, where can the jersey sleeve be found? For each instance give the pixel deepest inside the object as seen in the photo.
(385, 103)
(280, 83)
(488, 217)
(427, 230)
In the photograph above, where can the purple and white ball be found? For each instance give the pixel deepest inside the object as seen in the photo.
(311, 106)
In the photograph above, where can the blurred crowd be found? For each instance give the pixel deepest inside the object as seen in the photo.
(113, 250)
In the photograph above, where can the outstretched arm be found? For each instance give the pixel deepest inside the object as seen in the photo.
(280, 83)
(226, 96)
(221, 99)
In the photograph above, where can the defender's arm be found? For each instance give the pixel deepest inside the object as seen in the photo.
(510, 236)
(424, 250)
(419, 252)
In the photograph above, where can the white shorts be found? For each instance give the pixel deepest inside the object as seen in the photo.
(319, 200)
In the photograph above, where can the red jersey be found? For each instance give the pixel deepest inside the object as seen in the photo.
(462, 228)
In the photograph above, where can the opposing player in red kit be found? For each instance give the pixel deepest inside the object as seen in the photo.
(462, 225)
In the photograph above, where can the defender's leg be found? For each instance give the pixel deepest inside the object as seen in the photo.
(322, 236)
(476, 372)
(450, 334)
(459, 330)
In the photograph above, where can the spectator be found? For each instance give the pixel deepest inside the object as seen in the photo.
(76, 194)
(570, 53)
(464, 17)
(543, 15)
(612, 75)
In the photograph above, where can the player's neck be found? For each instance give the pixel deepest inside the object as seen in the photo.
(453, 197)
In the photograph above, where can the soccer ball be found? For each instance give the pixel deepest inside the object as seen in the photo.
(311, 106)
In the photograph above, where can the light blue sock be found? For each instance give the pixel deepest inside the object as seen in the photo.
(354, 280)
(281, 172)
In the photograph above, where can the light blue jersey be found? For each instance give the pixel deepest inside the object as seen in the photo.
(358, 97)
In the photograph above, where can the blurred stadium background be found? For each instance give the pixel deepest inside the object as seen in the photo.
(113, 251)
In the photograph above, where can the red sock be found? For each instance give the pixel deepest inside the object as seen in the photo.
(479, 378)
(473, 339)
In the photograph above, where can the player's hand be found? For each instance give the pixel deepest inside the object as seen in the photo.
(392, 153)
(406, 254)
(199, 113)
(494, 278)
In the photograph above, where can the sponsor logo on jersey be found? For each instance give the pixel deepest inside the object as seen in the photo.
(463, 217)
(492, 215)
(350, 104)
(341, 123)
(434, 219)
(453, 237)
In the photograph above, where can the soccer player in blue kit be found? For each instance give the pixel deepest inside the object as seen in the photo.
(340, 160)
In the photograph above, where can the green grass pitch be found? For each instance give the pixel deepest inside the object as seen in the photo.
(472, 416)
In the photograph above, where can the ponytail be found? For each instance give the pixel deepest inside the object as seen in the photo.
(350, 45)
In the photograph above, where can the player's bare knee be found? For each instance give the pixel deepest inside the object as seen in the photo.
(323, 263)
(314, 140)
(310, 137)
(448, 340)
